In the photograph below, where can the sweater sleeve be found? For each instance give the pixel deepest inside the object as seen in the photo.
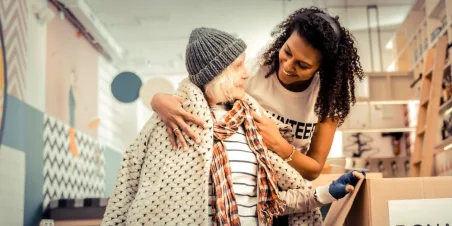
(301, 200)
(298, 201)
(127, 180)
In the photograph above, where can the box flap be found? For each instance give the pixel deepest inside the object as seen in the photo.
(325, 179)
(339, 210)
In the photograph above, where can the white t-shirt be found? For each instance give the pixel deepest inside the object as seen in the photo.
(293, 108)
(243, 165)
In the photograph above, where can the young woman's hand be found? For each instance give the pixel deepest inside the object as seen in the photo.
(268, 130)
(169, 108)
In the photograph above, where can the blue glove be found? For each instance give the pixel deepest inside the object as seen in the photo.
(338, 190)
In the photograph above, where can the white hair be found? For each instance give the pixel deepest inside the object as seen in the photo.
(221, 87)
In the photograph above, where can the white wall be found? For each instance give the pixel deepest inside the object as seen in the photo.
(118, 123)
(355, 19)
(364, 48)
(337, 146)
(36, 63)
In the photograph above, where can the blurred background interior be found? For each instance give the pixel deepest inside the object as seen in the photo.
(80, 74)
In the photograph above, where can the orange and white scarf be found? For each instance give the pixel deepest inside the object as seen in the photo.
(226, 210)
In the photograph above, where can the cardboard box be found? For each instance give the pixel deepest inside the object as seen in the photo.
(325, 179)
(368, 204)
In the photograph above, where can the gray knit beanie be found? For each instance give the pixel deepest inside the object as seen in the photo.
(209, 52)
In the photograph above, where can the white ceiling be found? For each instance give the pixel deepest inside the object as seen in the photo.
(154, 33)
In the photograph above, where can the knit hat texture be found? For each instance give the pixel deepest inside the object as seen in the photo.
(209, 52)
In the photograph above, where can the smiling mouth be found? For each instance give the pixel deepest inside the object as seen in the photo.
(285, 72)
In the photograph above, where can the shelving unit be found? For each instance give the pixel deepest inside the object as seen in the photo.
(443, 163)
(423, 155)
(425, 23)
(397, 91)
(445, 108)
(420, 46)
(378, 130)
(396, 86)
(445, 144)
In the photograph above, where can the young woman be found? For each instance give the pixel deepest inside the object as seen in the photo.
(229, 178)
(305, 78)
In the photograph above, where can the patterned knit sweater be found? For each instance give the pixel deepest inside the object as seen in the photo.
(160, 186)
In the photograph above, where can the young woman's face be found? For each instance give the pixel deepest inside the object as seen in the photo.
(298, 60)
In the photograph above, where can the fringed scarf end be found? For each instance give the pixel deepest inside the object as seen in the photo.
(270, 210)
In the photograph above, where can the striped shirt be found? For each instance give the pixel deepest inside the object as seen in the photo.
(244, 173)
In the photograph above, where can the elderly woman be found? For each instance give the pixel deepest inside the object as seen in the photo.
(228, 177)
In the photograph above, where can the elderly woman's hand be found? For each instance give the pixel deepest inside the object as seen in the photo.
(339, 188)
(345, 184)
(169, 108)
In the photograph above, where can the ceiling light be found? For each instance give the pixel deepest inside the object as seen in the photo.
(391, 67)
(389, 45)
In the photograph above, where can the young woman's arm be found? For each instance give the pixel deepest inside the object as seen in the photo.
(169, 108)
(310, 165)
(321, 143)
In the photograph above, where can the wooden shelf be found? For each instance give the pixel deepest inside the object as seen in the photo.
(420, 59)
(416, 160)
(395, 84)
(385, 102)
(378, 130)
(430, 71)
(422, 132)
(385, 74)
(418, 5)
(447, 66)
(405, 47)
(444, 143)
(437, 9)
(425, 102)
(417, 62)
(443, 31)
(443, 162)
(410, 40)
(444, 107)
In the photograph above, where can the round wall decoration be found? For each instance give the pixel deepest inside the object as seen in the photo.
(152, 86)
(126, 87)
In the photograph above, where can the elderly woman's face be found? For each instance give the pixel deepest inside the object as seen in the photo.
(230, 84)
(239, 74)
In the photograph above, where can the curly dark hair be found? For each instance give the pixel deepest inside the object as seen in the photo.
(340, 64)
